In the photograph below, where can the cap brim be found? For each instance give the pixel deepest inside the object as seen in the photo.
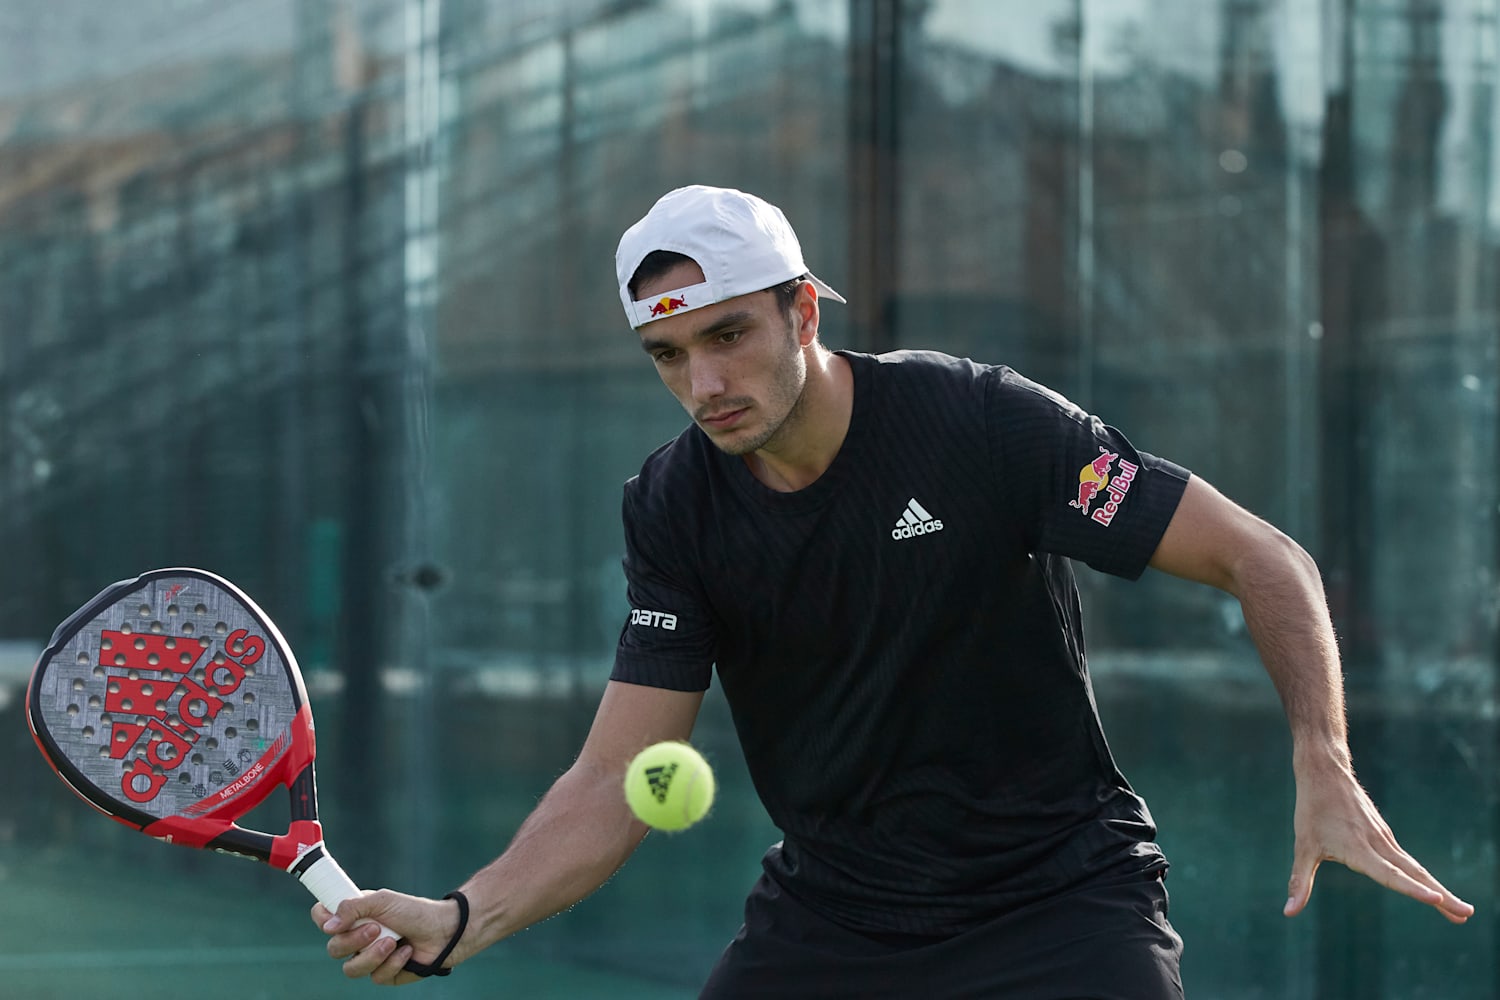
(825, 289)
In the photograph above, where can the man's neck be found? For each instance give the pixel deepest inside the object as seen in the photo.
(815, 431)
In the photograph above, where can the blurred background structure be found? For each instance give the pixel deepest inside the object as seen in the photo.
(319, 294)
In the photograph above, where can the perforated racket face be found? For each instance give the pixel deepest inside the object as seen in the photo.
(171, 695)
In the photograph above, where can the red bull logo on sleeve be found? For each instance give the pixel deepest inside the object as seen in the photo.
(1094, 481)
(666, 306)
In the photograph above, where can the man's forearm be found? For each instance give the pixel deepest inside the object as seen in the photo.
(577, 837)
(1281, 594)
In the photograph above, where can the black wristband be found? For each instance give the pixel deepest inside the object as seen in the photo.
(435, 967)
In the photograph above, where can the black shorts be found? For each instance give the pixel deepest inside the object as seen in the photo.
(1105, 942)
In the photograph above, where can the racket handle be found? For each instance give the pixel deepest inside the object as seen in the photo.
(327, 881)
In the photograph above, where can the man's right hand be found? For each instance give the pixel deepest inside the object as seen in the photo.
(425, 926)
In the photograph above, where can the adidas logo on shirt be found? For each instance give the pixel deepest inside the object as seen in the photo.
(915, 521)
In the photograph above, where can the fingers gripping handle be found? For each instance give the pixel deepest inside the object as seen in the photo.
(323, 877)
(327, 881)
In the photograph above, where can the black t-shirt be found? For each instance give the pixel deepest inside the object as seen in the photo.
(900, 643)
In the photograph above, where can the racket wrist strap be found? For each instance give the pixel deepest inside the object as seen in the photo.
(435, 967)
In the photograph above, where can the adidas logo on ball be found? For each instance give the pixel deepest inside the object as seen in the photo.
(660, 780)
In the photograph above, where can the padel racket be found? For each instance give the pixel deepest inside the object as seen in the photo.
(172, 704)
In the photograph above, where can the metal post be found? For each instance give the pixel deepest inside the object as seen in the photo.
(873, 223)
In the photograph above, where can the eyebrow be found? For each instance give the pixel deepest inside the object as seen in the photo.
(707, 333)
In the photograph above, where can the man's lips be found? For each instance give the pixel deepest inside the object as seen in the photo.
(722, 421)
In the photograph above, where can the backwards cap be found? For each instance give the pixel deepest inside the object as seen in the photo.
(743, 244)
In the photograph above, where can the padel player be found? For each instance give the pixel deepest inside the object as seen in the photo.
(875, 555)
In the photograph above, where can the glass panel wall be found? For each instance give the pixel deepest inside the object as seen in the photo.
(318, 294)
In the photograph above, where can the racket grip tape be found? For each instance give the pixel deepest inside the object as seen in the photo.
(329, 883)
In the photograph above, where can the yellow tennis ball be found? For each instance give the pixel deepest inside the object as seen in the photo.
(669, 786)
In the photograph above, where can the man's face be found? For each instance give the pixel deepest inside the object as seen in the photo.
(737, 366)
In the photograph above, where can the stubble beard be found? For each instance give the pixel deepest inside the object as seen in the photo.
(787, 395)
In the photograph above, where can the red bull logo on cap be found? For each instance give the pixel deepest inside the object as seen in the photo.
(666, 306)
(1094, 480)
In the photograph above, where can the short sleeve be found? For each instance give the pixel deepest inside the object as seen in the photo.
(1077, 485)
(668, 640)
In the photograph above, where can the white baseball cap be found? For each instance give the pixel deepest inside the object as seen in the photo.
(743, 244)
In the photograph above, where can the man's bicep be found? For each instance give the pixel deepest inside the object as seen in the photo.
(634, 716)
(1208, 537)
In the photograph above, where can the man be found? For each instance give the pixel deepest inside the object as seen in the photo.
(874, 555)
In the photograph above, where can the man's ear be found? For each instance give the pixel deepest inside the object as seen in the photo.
(805, 313)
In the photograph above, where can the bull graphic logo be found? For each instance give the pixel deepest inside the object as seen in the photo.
(1095, 482)
(1092, 479)
(666, 306)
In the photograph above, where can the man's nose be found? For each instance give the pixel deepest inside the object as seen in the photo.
(707, 380)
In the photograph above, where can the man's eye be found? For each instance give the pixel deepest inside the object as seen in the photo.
(730, 336)
(663, 357)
